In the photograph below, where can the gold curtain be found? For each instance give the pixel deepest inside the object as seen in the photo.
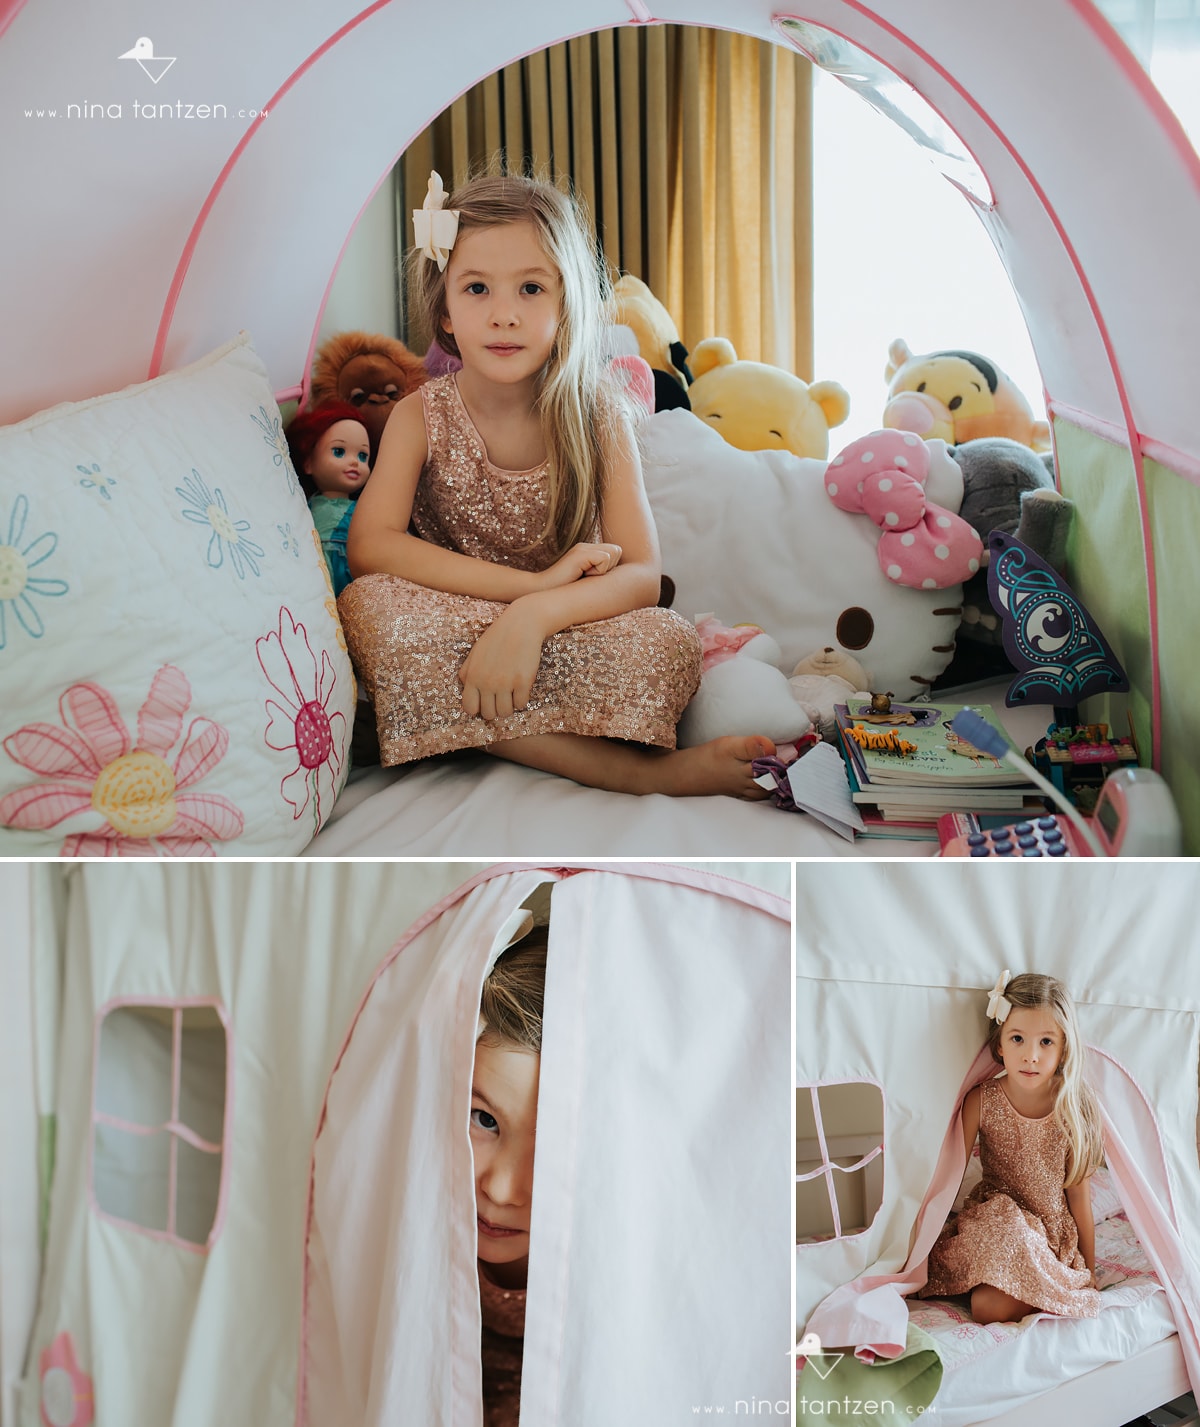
(692, 148)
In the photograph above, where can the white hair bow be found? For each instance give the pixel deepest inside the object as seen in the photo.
(998, 1004)
(435, 226)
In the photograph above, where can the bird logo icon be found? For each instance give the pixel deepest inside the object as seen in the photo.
(822, 1363)
(153, 65)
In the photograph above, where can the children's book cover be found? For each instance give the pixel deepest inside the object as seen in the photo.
(914, 745)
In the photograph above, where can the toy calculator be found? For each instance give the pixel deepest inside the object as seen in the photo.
(1134, 817)
(963, 835)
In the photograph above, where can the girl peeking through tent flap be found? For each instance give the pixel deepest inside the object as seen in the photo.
(503, 1122)
(505, 559)
(1024, 1240)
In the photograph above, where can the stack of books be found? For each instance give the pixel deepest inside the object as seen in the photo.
(907, 767)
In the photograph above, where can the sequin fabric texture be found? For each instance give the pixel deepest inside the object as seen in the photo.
(503, 1342)
(1015, 1230)
(629, 677)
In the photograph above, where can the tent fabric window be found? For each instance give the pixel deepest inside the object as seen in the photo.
(851, 1165)
(160, 1117)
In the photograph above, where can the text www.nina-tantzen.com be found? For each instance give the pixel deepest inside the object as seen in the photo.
(138, 110)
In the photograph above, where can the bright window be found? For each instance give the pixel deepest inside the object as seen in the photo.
(839, 1159)
(159, 1118)
(898, 252)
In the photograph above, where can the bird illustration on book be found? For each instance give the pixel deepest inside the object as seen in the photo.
(957, 744)
(1050, 638)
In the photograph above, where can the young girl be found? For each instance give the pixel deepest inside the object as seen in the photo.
(1024, 1240)
(506, 557)
(331, 454)
(503, 1121)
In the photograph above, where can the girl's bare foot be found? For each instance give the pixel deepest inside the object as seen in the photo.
(720, 766)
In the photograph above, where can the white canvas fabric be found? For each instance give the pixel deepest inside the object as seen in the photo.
(166, 1333)
(893, 973)
(655, 1286)
(1065, 129)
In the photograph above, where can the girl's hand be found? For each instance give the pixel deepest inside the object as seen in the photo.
(497, 676)
(580, 560)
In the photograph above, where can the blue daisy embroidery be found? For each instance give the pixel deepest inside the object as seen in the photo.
(18, 584)
(272, 431)
(208, 507)
(95, 480)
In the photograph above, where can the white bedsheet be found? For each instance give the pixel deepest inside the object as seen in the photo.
(1001, 1366)
(476, 806)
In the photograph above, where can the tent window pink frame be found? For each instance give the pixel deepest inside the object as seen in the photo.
(173, 1160)
(828, 1168)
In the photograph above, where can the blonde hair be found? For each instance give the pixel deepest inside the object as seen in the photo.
(1075, 1107)
(511, 1004)
(577, 404)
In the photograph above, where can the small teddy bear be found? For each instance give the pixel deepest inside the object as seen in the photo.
(828, 677)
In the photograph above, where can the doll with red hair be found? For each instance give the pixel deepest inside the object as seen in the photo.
(331, 453)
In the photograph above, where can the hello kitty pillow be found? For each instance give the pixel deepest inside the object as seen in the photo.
(173, 678)
(754, 536)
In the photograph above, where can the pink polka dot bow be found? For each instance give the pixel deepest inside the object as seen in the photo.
(923, 545)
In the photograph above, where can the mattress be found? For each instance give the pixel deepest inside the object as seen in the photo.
(994, 1368)
(472, 805)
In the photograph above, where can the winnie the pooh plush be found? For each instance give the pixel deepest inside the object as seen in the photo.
(956, 397)
(756, 407)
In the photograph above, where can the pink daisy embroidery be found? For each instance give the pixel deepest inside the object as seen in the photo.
(141, 796)
(66, 1391)
(303, 724)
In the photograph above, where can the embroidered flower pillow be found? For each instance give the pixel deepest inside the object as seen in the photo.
(173, 679)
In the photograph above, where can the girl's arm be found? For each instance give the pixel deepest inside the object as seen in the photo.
(498, 674)
(1079, 1202)
(379, 541)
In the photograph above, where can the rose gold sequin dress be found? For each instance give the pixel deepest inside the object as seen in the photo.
(1015, 1230)
(629, 677)
(503, 1312)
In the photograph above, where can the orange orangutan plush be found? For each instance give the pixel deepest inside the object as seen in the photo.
(371, 372)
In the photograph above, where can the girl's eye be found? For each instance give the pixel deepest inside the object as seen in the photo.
(476, 287)
(337, 452)
(531, 289)
(483, 1121)
(1016, 1039)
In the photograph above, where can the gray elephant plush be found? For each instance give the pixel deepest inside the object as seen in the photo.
(1008, 487)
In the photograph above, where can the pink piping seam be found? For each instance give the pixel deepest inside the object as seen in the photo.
(189, 248)
(223, 1188)
(769, 902)
(1114, 366)
(175, 1127)
(9, 10)
(1178, 462)
(1167, 118)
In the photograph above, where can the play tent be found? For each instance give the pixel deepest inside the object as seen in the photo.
(161, 210)
(893, 969)
(192, 1028)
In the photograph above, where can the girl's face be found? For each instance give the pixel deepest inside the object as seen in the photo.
(503, 297)
(1031, 1046)
(503, 1120)
(341, 459)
